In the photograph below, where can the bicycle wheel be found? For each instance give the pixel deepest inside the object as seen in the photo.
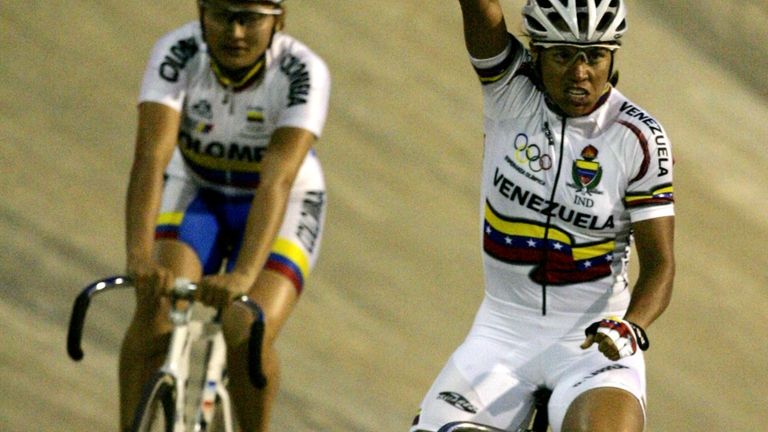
(156, 411)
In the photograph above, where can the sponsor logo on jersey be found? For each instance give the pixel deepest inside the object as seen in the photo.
(600, 371)
(177, 58)
(203, 127)
(457, 401)
(197, 122)
(663, 154)
(254, 114)
(203, 109)
(311, 213)
(527, 199)
(219, 155)
(298, 76)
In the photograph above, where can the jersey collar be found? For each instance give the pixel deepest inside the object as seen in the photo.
(249, 78)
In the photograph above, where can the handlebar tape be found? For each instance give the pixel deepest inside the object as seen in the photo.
(254, 354)
(76, 322)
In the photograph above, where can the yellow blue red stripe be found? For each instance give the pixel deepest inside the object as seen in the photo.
(291, 261)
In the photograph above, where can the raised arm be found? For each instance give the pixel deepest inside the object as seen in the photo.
(485, 31)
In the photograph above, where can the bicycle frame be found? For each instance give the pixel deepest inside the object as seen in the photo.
(177, 364)
(186, 331)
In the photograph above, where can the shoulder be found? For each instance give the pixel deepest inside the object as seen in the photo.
(182, 43)
(189, 33)
(634, 117)
(651, 149)
(174, 52)
(510, 61)
(293, 57)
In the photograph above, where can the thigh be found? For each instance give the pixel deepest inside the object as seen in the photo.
(276, 296)
(297, 246)
(476, 386)
(489, 379)
(188, 215)
(596, 389)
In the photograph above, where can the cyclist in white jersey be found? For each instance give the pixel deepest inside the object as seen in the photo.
(225, 174)
(573, 172)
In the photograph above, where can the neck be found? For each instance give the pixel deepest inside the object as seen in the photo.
(238, 78)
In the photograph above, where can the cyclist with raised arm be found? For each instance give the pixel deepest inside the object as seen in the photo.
(573, 173)
(224, 172)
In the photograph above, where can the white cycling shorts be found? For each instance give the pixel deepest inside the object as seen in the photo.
(508, 354)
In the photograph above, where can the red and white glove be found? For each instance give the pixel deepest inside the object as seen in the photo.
(616, 338)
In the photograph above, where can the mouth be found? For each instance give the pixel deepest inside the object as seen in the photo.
(234, 50)
(576, 95)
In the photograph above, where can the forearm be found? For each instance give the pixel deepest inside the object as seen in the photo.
(485, 31)
(651, 296)
(264, 220)
(652, 292)
(158, 127)
(141, 209)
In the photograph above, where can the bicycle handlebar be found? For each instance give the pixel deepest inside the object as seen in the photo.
(77, 321)
(83, 300)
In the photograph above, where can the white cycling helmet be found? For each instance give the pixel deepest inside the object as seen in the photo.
(579, 22)
(277, 3)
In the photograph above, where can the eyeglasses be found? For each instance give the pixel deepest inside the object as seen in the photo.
(246, 17)
(567, 54)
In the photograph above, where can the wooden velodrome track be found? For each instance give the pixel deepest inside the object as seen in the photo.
(399, 278)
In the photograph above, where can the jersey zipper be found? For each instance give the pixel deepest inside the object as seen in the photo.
(229, 95)
(545, 258)
(229, 99)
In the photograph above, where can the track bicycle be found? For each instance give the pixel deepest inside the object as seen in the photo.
(536, 421)
(164, 401)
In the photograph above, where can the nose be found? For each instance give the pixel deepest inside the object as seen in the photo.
(237, 28)
(579, 67)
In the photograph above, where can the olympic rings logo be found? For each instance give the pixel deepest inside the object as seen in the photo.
(526, 152)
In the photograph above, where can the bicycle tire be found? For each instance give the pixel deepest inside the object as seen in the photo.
(156, 411)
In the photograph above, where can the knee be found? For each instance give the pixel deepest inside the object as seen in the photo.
(604, 409)
(236, 325)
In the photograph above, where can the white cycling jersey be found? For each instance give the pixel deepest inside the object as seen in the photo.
(574, 185)
(226, 130)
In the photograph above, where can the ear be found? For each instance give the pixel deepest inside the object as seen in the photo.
(535, 52)
(281, 20)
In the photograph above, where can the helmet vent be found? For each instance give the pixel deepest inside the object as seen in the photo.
(605, 22)
(557, 21)
(534, 25)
